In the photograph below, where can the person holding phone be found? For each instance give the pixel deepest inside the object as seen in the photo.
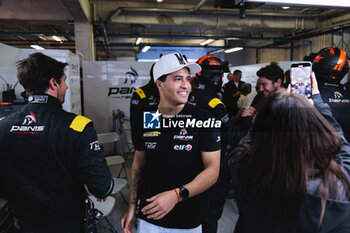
(301, 164)
(270, 79)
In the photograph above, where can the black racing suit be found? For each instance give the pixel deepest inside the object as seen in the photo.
(46, 157)
(338, 99)
(145, 98)
(231, 133)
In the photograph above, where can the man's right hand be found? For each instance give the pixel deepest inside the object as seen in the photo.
(126, 219)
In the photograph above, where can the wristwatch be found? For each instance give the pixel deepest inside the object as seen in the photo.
(184, 193)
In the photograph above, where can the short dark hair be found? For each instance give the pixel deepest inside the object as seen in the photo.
(34, 73)
(246, 88)
(237, 72)
(162, 78)
(272, 72)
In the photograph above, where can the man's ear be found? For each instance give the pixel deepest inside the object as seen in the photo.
(279, 82)
(159, 84)
(53, 84)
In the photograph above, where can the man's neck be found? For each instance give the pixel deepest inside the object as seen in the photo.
(51, 93)
(169, 109)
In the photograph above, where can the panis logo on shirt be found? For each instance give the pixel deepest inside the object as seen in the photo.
(29, 119)
(183, 135)
(187, 147)
(338, 95)
(338, 99)
(26, 127)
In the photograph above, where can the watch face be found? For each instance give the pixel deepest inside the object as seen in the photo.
(184, 193)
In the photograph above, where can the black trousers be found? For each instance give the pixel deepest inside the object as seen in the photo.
(49, 226)
(215, 204)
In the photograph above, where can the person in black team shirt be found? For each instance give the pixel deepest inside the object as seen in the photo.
(206, 96)
(48, 154)
(179, 159)
(145, 98)
(330, 66)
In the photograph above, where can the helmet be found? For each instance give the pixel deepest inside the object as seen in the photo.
(212, 70)
(331, 65)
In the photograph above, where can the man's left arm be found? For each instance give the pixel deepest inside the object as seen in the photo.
(92, 165)
(208, 176)
(162, 203)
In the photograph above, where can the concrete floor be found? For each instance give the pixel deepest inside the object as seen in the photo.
(226, 224)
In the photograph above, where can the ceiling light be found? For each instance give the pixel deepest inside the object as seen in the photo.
(159, 0)
(37, 47)
(285, 7)
(217, 51)
(138, 41)
(235, 49)
(339, 3)
(232, 38)
(206, 42)
(146, 48)
(41, 37)
(56, 38)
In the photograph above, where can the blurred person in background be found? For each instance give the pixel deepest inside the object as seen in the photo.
(330, 66)
(301, 164)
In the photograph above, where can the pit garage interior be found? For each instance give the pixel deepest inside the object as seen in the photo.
(100, 38)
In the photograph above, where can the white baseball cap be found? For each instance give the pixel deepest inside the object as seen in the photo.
(173, 62)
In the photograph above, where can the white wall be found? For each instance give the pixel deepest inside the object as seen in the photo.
(8, 58)
(99, 77)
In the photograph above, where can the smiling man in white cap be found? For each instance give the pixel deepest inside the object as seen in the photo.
(180, 158)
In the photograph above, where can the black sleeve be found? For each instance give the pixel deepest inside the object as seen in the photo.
(231, 133)
(136, 121)
(210, 139)
(343, 157)
(92, 164)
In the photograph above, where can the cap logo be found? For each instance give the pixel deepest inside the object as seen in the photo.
(180, 58)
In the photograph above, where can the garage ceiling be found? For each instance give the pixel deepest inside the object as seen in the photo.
(171, 22)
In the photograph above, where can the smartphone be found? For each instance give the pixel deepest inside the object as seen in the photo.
(300, 75)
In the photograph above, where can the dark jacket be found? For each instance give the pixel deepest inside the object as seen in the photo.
(337, 213)
(46, 157)
(338, 99)
(146, 98)
(229, 90)
(231, 133)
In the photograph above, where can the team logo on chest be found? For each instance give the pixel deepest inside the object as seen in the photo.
(150, 145)
(183, 135)
(27, 127)
(338, 99)
(187, 147)
(29, 119)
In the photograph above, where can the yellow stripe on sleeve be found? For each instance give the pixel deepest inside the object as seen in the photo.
(141, 93)
(79, 123)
